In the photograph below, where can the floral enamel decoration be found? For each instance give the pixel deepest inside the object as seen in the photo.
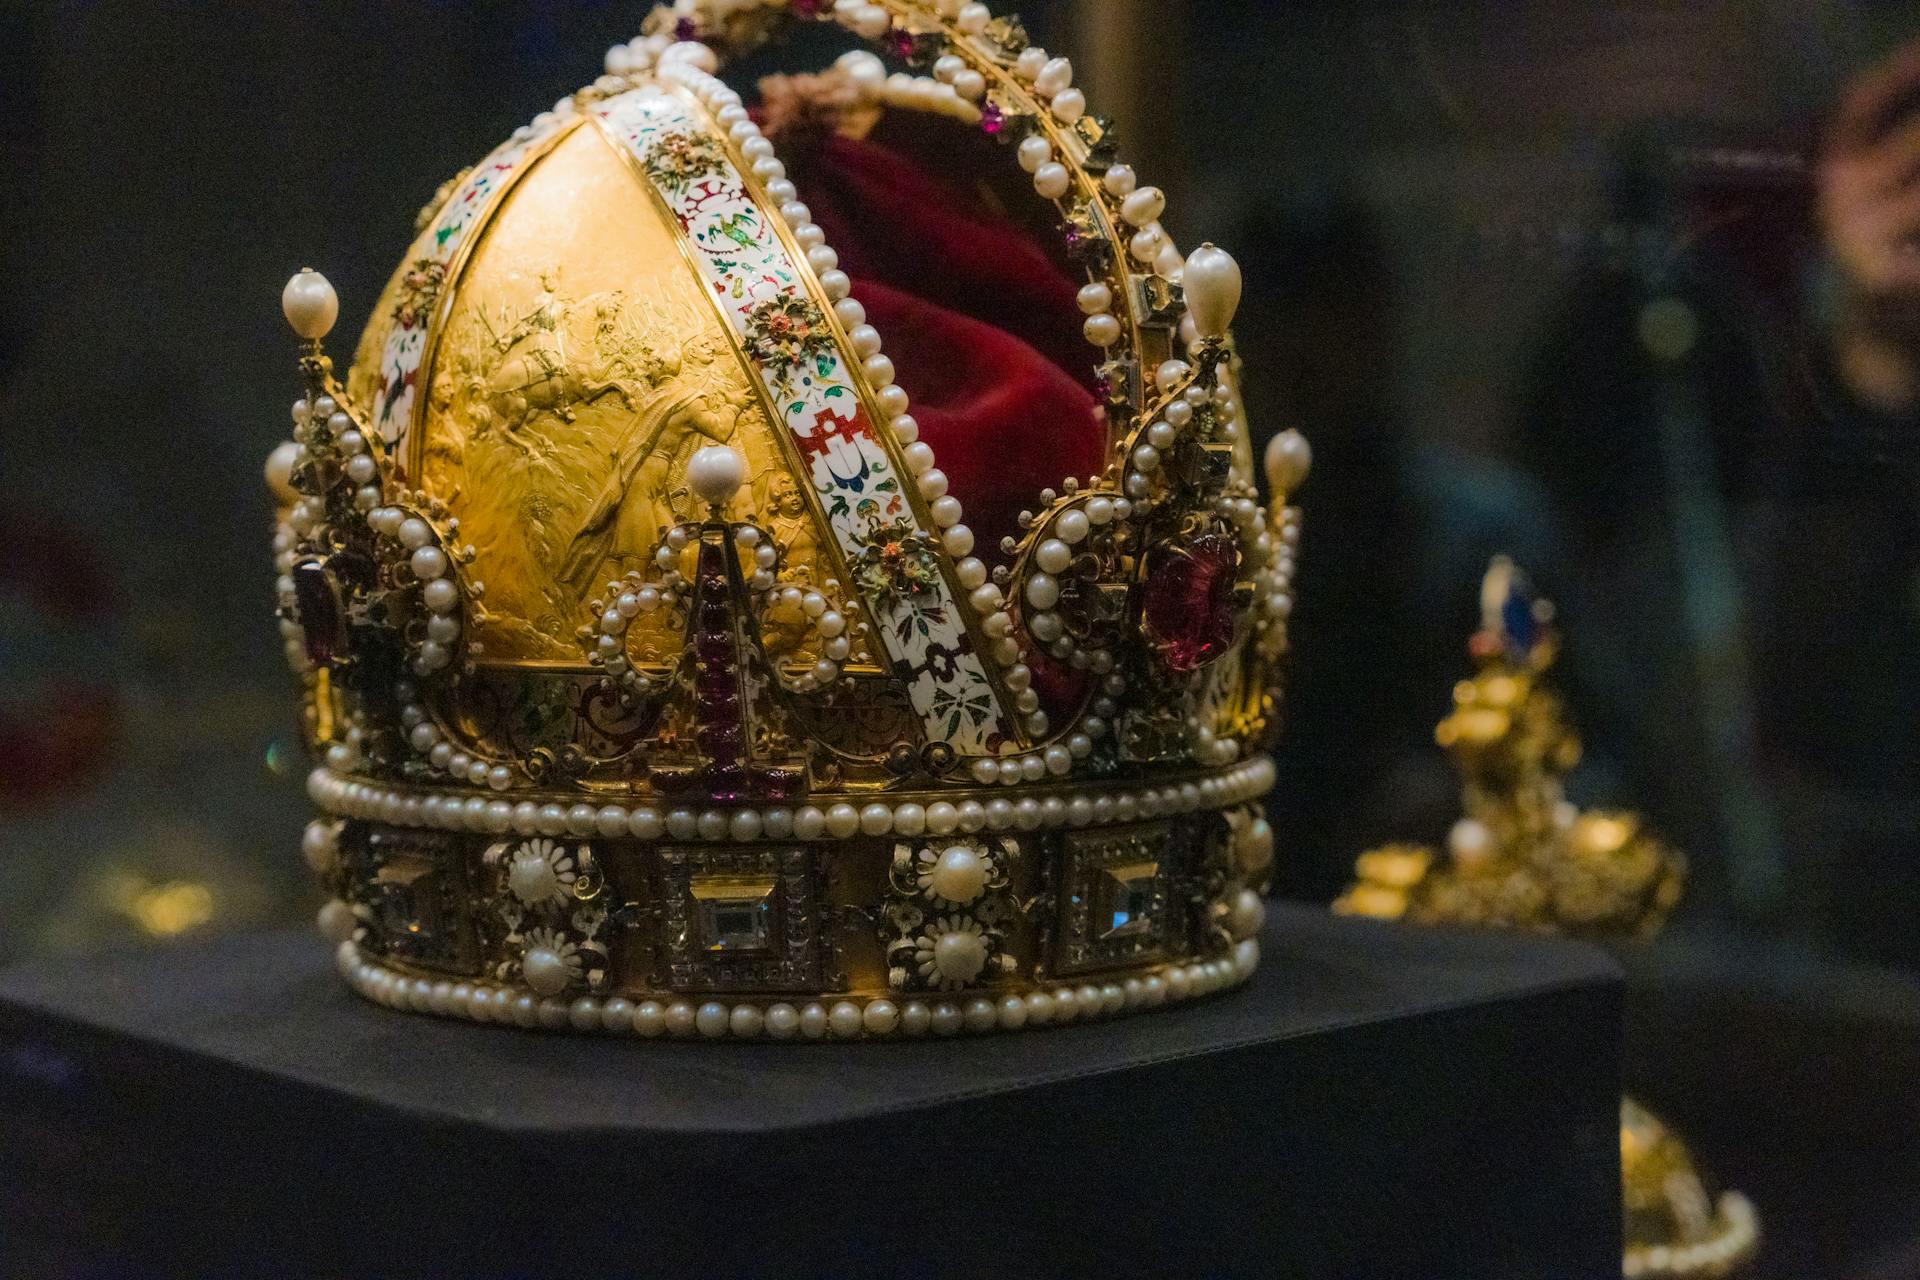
(419, 290)
(679, 159)
(494, 828)
(897, 561)
(760, 290)
(465, 209)
(787, 333)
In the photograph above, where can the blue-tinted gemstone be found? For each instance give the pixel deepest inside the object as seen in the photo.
(1517, 618)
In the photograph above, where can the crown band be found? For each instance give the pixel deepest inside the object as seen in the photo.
(808, 763)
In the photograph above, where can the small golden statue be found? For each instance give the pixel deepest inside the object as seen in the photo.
(1525, 857)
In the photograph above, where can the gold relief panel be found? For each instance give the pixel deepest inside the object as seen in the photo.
(575, 372)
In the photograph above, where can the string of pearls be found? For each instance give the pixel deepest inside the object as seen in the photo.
(690, 65)
(812, 1020)
(347, 796)
(638, 596)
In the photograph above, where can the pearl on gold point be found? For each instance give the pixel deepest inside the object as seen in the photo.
(1212, 284)
(715, 473)
(310, 304)
(1289, 458)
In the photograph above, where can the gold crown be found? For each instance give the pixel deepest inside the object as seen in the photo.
(657, 683)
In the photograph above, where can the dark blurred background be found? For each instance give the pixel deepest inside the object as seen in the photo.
(1545, 278)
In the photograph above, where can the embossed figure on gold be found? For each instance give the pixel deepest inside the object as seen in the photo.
(636, 504)
(564, 403)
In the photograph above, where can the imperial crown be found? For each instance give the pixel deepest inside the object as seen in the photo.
(660, 684)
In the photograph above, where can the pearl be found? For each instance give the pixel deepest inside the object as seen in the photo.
(415, 533)
(959, 956)
(1069, 106)
(1288, 460)
(337, 922)
(1043, 591)
(981, 1015)
(1032, 60)
(845, 1020)
(1035, 152)
(1094, 299)
(1052, 180)
(1246, 915)
(1212, 282)
(1143, 206)
(1102, 330)
(1013, 1012)
(880, 1018)
(947, 1020)
(1073, 527)
(429, 563)
(310, 304)
(711, 1019)
(715, 473)
(1119, 180)
(813, 1022)
(680, 1018)
(782, 1021)
(915, 1018)
(545, 971)
(649, 1018)
(1053, 77)
(959, 875)
(842, 820)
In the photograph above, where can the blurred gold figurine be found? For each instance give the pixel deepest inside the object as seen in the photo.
(1525, 857)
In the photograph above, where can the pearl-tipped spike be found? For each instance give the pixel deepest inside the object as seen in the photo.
(1212, 284)
(716, 473)
(310, 304)
(1289, 458)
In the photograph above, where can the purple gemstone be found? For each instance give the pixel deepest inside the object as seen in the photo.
(719, 740)
(713, 647)
(781, 786)
(685, 30)
(322, 617)
(992, 118)
(1188, 602)
(809, 8)
(726, 784)
(720, 702)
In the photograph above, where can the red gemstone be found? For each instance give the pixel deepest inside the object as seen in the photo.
(809, 8)
(992, 119)
(322, 617)
(1187, 602)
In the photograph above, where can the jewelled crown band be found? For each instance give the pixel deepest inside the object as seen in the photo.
(660, 685)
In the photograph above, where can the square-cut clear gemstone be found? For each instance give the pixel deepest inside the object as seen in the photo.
(735, 912)
(1126, 907)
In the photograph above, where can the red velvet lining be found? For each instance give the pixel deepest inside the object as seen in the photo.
(983, 328)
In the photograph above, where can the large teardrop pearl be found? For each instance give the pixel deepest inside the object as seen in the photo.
(1289, 458)
(310, 304)
(1212, 283)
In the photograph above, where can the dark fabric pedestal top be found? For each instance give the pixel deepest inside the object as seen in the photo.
(1378, 1102)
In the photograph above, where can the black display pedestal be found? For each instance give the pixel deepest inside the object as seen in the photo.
(1378, 1103)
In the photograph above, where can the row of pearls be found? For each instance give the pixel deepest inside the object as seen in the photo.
(1737, 1225)
(1135, 207)
(354, 798)
(692, 71)
(864, 1019)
